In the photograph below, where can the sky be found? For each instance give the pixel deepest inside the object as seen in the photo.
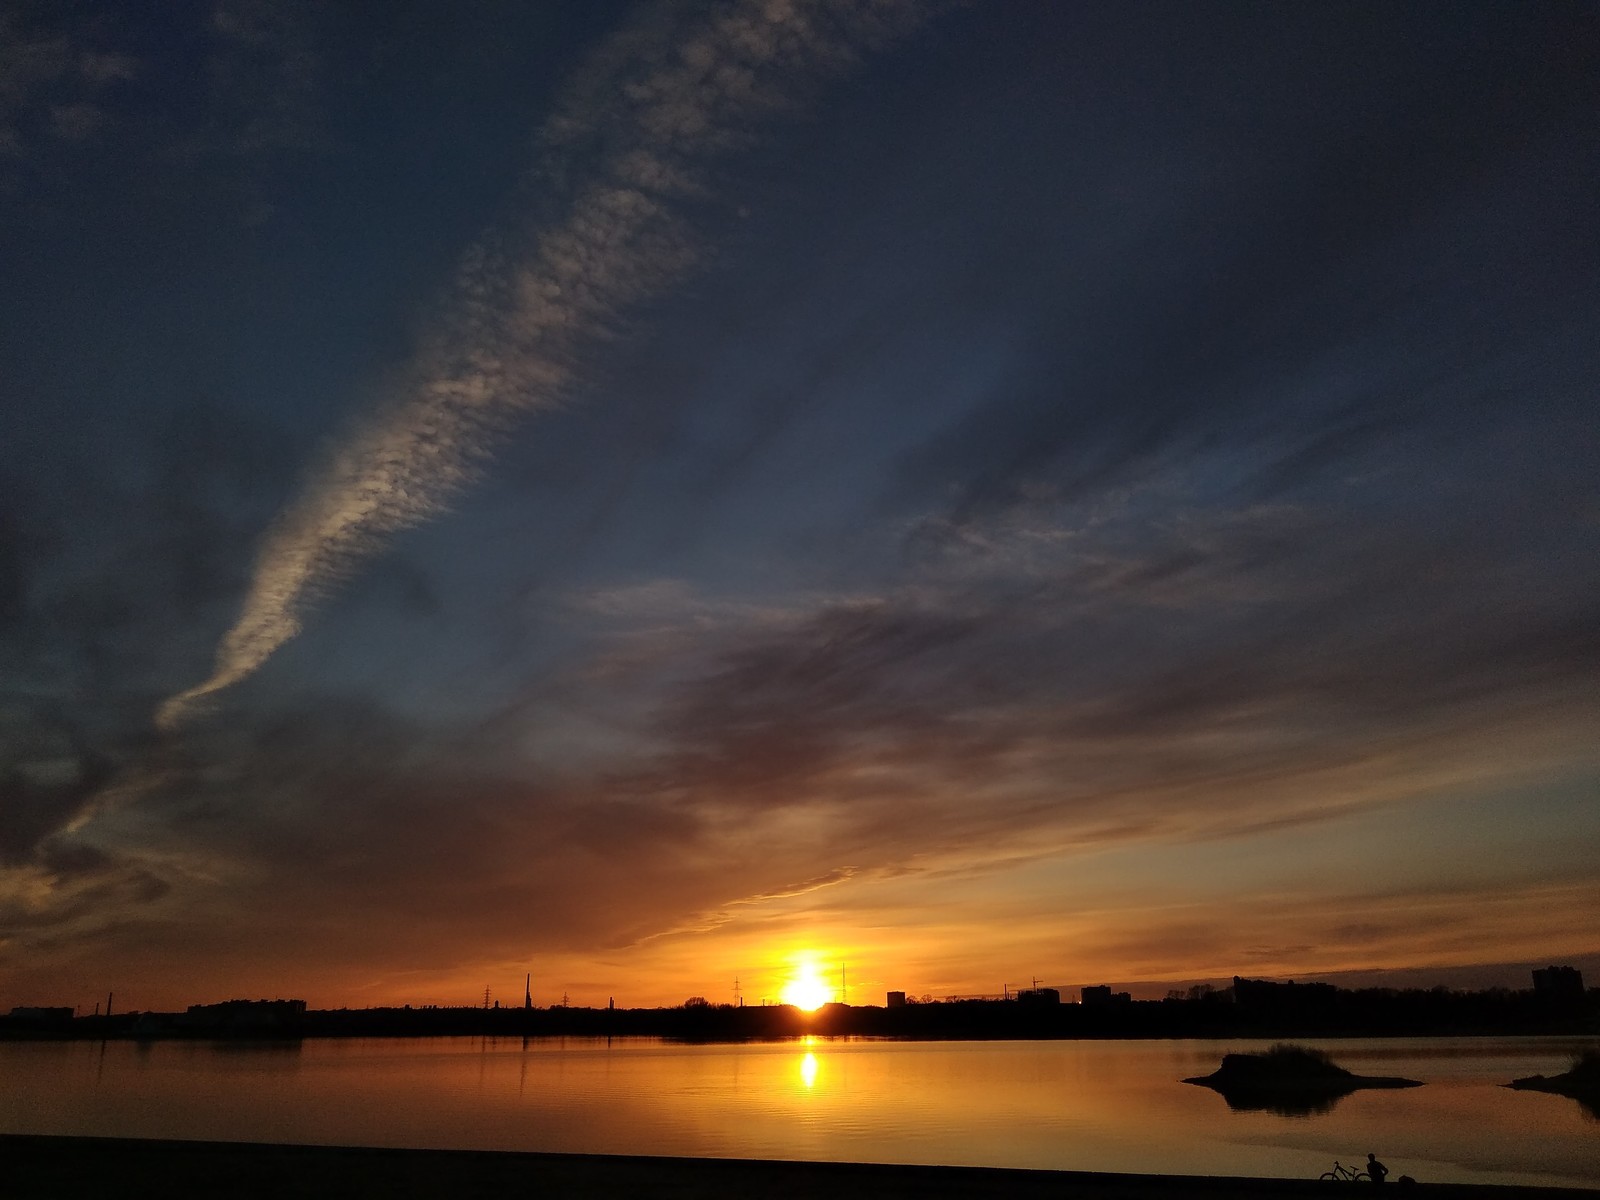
(660, 495)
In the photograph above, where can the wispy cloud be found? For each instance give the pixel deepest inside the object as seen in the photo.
(50, 80)
(635, 135)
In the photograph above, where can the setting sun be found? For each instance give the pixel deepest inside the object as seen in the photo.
(807, 990)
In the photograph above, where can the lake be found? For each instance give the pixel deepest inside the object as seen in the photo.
(1070, 1105)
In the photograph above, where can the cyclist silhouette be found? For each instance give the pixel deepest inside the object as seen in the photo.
(1376, 1169)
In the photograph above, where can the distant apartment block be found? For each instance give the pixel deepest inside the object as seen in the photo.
(1558, 983)
(34, 1015)
(1103, 995)
(245, 1016)
(1039, 995)
(895, 1000)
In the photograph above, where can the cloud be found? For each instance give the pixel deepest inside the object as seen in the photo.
(75, 122)
(340, 824)
(30, 62)
(45, 786)
(784, 760)
(1032, 684)
(104, 66)
(265, 78)
(1304, 303)
(54, 78)
(807, 886)
(205, 109)
(1295, 934)
(650, 113)
(104, 582)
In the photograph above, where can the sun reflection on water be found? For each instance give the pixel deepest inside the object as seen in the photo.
(808, 1069)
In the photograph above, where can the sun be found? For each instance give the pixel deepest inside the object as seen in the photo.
(806, 990)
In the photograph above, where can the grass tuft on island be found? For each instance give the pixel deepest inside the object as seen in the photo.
(1289, 1079)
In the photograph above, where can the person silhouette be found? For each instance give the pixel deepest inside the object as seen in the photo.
(1375, 1169)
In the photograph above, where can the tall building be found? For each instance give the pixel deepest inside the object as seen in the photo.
(1558, 983)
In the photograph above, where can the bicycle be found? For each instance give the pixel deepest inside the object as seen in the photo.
(1344, 1174)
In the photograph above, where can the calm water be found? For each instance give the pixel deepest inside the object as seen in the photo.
(1103, 1106)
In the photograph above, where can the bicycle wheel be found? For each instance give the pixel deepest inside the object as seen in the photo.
(1361, 1177)
(1329, 1175)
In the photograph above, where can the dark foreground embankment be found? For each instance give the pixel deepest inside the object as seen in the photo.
(61, 1168)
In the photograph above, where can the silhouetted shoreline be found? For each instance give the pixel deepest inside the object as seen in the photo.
(1581, 1083)
(67, 1168)
(1249, 1009)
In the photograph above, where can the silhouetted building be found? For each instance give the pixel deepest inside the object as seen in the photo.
(160, 1024)
(1103, 995)
(1100, 994)
(1039, 995)
(246, 1016)
(1558, 983)
(895, 1000)
(34, 1015)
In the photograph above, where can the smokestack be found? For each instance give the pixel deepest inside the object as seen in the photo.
(108, 1002)
(527, 991)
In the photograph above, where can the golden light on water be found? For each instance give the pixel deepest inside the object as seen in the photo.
(808, 1069)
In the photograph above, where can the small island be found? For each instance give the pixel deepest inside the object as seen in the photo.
(1581, 1082)
(1294, 1081)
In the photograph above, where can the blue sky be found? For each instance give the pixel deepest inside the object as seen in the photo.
(649, 492)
